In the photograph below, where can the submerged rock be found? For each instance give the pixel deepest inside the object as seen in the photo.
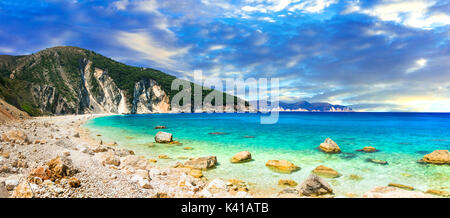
(287, 182)
(160, 127)
(163, 137)
(329, 146)
(242, 156)
(216, 133)
(401, 186)
(437, 157)
(392, 192)
(201, 163)
(368, 149)
(282, 166)
(314, 186)
(382, 162)
(196, 173)
(438, 192)
(326, 172)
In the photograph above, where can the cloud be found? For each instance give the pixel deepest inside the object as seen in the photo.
(412, 13)
(151, 49)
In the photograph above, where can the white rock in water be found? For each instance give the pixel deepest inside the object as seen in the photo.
(163, 137)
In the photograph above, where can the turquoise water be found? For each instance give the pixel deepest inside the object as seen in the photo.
(402, 139)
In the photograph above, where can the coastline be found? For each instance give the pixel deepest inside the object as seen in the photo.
(107, 171)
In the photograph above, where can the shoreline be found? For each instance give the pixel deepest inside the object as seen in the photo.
(105, 170)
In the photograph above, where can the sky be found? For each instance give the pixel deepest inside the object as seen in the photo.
(371, 55)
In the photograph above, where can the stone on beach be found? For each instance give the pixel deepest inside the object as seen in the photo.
(74, 182)
(23, 190)
(201, 163)
(135, 162)
(437, 157)
(314, 186)
(282, 166)
(54, 170)
(329, 146)
(242, 156)
(3, 192)
(392, 192)
(326, 172)
(163, 137)
(15, 136)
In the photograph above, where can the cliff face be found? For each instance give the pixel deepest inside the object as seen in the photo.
(67, 80)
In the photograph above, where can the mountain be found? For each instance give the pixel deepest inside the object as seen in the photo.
(306, 106)
(72, 80)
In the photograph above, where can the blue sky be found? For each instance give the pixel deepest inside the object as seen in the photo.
(372, 55)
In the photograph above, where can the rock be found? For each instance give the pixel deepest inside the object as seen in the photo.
(315, 186)
(86, 151)
(438, 192)
(144, 183)
(74, 182)
(382, 162)
(241, 157)
(217, 186)
(100, 149)
(5, 155)
(326, 172)
(77, 135)
(3, 191)
(329, 146)
(135, 162)
(19, 164)
(401, 186)
(163, 137)
(113, 160)
(288, 193)
(123, 152)
(437, 157)
(282, 166)
(23, 190)
(216, 133)
(201, 163)
(60, 167)
(196, 173)
(15, 136)
(163, 156)
(10, 184)
(287, 182)
(41, 172)
(160, 127)
(355, 177)
(392, 192)
(368, 149)
(187, 148)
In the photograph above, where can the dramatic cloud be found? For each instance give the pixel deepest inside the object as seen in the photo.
(372, 55)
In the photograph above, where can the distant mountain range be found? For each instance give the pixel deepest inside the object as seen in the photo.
(304, 106)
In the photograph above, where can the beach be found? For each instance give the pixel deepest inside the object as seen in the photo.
(95, 166)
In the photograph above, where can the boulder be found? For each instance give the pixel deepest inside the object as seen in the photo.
(437, 157)
(15, 136)
(314, 186)
(163, 137)
(282, 166)
(329, 146)
(23, 190)
(326, 172)
(392, 192)
(287, 182)
(381, 162)
(60, 167)
(242, 156)
(201, 163)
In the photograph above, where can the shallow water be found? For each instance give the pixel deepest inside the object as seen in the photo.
(402, 138)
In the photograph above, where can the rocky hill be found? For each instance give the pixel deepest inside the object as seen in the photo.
(304, 106)
(71, 80)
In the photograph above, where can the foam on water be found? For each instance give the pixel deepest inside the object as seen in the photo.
(402, 138)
